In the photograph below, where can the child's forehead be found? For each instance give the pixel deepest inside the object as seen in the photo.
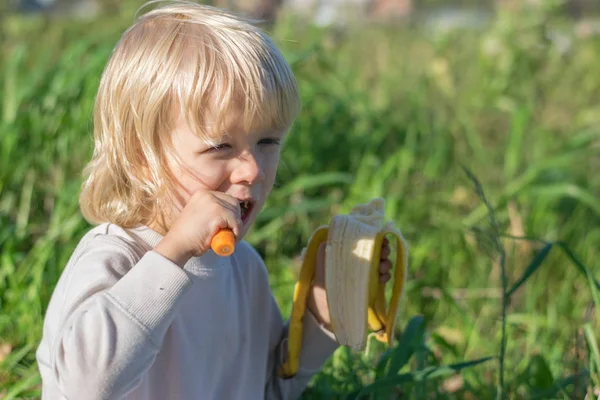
(218, 127)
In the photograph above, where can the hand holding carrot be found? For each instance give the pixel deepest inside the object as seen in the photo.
(206, 215)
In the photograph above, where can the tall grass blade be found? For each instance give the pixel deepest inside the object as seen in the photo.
(501, 254)
(513, 155)
(406, 347)
(426, 374)
(16, 357)
(559, 190)
(580, 266)
(27, 384)
(559, 385)
(592, 341)
(302, 183)
(531, 268)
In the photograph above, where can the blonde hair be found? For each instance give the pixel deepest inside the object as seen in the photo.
(185, 58)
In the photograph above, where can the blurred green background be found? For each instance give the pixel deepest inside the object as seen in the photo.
(479, 125)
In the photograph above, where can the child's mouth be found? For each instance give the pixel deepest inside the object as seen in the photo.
(246, 206)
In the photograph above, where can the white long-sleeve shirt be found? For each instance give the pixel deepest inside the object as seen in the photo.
(125, 322)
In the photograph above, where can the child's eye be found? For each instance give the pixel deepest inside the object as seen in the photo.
(220, 146)
(269, 141)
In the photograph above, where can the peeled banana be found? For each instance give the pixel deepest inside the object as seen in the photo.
(355, 296)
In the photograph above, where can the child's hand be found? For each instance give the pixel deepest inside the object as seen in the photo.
(192, 231)
(317, 299)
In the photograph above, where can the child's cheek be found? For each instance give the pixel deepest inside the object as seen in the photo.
(190, 181)
(270, 169)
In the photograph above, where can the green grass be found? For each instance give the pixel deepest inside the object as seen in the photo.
(485, 146)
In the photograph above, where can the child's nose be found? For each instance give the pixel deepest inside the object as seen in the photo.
(248, 170)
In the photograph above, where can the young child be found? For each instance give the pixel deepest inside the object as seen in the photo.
(191, 111)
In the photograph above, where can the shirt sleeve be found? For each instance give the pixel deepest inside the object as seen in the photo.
(107, 319)
(317, 345)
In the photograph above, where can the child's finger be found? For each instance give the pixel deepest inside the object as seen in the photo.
(385, 253)
(385, 249)
(384, 267)
(383, 278)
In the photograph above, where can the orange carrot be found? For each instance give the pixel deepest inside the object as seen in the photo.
(223, 243)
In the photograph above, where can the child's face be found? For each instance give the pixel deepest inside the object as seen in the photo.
(243, 166)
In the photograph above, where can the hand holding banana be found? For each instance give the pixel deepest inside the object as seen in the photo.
(317, 298)
(345, 286)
